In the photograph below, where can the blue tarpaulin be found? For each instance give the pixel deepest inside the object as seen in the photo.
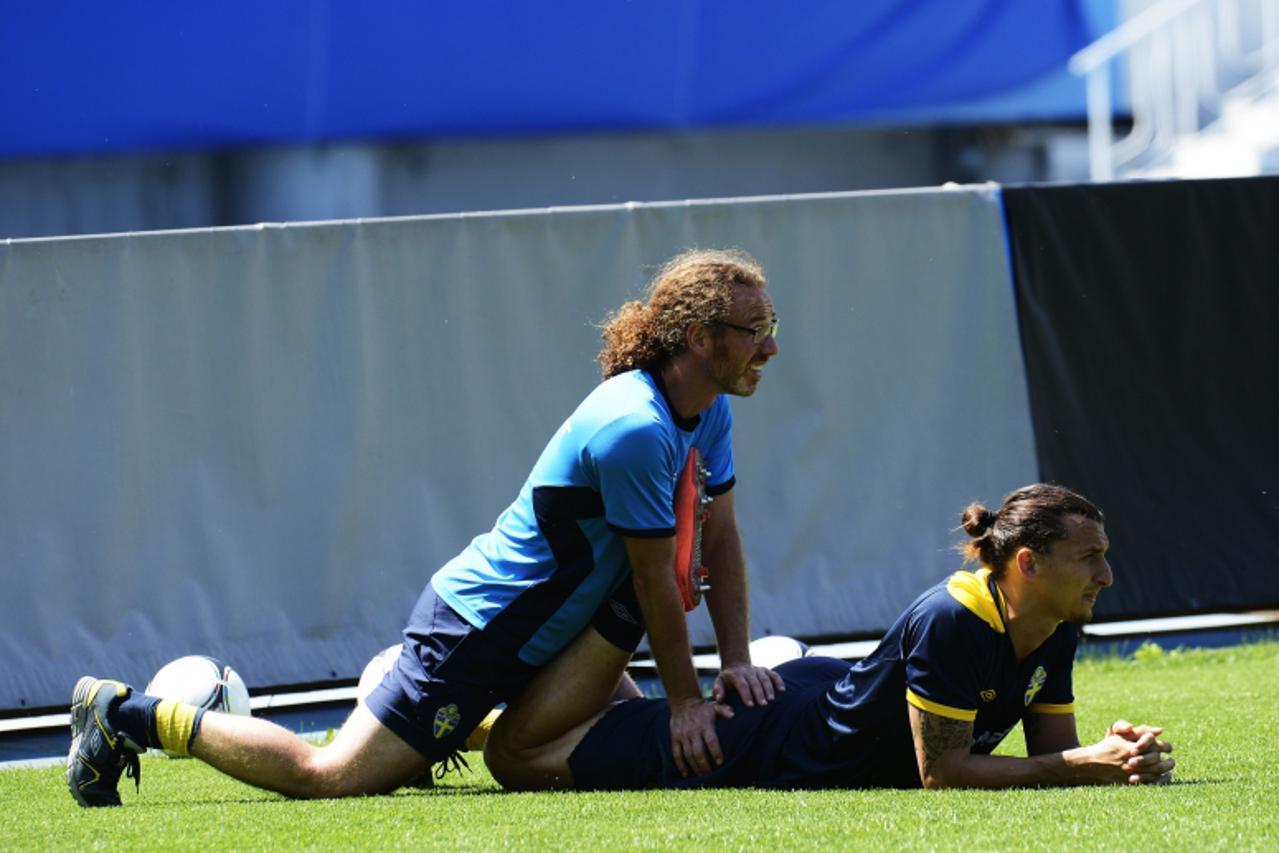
(84, 78)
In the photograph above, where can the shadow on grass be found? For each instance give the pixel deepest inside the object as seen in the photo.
(453, 791)
(269, 799)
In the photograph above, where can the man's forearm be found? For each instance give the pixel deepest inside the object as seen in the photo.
(1001, 771)
(942, 750)
(1111, 761)
(667, 634)
(728, 600)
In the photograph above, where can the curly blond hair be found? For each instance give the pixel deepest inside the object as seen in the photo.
(693, 287)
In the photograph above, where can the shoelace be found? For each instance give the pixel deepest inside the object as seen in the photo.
(133, 769)
(455, 763)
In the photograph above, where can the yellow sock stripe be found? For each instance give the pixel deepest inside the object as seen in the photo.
(173, 723)
(480, 734)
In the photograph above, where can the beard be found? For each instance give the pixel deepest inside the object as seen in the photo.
(1082, 619)
(730, 374)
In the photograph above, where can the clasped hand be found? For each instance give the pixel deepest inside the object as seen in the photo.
(1140, 753)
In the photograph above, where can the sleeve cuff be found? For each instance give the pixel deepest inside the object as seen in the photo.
(651, 533)
(941, 710)
(721, 488)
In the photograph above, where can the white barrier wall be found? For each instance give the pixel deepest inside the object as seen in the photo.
(259, 443)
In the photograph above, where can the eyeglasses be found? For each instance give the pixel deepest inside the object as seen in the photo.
(758, 334)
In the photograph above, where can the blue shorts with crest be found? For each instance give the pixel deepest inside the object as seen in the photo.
(450, 674)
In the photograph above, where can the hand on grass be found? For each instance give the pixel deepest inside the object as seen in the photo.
(1128, 731)
(693, 734)
(755, 684)
(1145, 756)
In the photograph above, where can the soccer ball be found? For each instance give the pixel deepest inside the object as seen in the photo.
(203, 682)
(776, 650)
(375, 670)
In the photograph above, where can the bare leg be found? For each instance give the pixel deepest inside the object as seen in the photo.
(365, 756)
(531, 741)
(626, 689)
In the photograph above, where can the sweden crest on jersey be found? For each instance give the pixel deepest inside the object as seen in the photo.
(446, 720)
(1037, 680)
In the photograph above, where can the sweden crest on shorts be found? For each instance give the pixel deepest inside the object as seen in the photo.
(1037, 680)
(446, 720)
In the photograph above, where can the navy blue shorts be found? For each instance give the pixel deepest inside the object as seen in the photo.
(450, 674)
(784, 744)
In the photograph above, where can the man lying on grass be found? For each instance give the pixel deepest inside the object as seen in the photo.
(967, 661)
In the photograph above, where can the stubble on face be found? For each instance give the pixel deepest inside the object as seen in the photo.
(733, 374)
(737, 362)
(1079, 565)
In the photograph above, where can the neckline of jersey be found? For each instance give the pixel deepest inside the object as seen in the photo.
(686, 424)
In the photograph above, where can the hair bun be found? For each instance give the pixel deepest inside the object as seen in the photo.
(977, 519)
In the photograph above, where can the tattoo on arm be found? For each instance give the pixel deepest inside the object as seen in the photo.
(940, 735)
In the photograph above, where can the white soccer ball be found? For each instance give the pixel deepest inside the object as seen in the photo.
(203, 682)
(375, 670)
(776, 650)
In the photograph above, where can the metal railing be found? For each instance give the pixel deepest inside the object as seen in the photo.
(1181, 58)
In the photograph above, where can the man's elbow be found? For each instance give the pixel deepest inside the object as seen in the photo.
(941, 775)
(937, 781)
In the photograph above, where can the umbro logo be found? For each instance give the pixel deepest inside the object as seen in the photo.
(621, 611)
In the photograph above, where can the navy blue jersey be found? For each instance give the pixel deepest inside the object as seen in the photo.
(842, 726)
(557, 552)
(948, 654)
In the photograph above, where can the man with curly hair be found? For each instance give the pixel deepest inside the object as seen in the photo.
(587, 548)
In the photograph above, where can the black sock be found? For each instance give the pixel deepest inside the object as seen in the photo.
(134, 717)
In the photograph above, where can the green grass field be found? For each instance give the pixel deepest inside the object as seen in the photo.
(1218, 707)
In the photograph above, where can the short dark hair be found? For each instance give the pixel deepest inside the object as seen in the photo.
(1032, 517)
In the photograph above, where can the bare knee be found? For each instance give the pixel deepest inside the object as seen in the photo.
(519, 766)
(321, 777)
(297, 771)
(364, 758)
(626, 689)
(503, 758)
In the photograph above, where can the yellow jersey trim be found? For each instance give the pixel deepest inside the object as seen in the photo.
(1049, 708)
(937, 708)
(972, 589)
